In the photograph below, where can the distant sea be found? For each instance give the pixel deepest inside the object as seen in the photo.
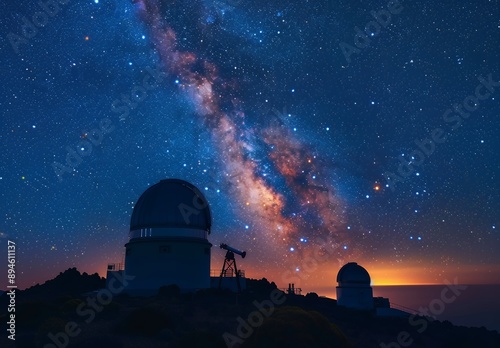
(478, 305)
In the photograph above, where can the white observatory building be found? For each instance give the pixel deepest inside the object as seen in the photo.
(168, 242)
(354, 289)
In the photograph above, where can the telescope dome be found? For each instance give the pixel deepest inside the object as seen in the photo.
(172, 203)
(352, 273)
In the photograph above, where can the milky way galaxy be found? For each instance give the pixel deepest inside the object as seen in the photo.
(256, 104)
(314, 210)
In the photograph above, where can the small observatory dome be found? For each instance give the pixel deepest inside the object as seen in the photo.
(172, 203)
(352, 273)
(354, 290)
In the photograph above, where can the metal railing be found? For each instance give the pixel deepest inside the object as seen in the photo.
(403, 308)
(229, 273)
(115, 267)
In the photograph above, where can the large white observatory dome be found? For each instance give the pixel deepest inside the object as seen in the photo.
(171, 203)
(168, 243)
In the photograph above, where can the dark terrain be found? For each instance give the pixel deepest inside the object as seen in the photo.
(208, 318)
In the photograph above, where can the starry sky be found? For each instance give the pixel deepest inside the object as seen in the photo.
(321, 132)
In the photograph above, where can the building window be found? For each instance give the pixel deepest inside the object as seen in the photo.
(165, 249)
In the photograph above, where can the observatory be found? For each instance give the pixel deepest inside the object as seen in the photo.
(354, 287)
(168, 241)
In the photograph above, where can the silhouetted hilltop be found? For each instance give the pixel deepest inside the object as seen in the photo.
(261, 316)
(70, 282)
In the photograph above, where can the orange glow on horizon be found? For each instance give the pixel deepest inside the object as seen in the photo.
(381, 275)
(321, 280)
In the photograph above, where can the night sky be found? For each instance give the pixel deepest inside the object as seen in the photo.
(306, 124)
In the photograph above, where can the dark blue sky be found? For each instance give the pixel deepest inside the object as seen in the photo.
(281, 76)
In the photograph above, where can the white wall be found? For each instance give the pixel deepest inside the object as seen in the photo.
(355, 297)
(157, 262)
